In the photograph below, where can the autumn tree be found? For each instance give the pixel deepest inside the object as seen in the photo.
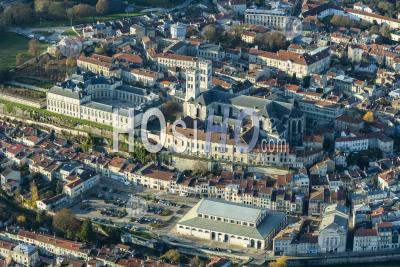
(34, 194)
(272, 41)
(385, 32)
(65, 223)
(369, 117)
(21, 220)
(83, 10)
(102, 7)
(18, 14)
(34, 47)
(280, 262)
(209, 32)
(172, 256)
(19, 59)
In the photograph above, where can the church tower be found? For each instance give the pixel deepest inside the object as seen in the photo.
(205, 69)
(192, 84)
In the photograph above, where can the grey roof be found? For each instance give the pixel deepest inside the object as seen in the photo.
(335, 216)
(265, 228)
(230, 210)
(132, 89)
(71, 93)
(267, 107)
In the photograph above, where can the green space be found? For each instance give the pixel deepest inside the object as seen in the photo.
(12, 44)
(83, 20)
(35, 82)
(66, 120)
(69, 32)
(156, 3)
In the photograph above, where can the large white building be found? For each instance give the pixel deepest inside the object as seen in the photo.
(332, 233)
(232, 223)
(99, 99)
(275, 18)
(301, 65)
(178, 31)
(165, 61)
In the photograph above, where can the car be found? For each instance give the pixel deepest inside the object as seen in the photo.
(31, 36)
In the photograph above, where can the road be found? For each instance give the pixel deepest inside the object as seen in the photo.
(166, 10)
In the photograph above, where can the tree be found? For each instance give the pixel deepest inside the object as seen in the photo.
(34, 47)
(19, 59)
(65, 223)
(99, 50)
(306, 81)
(385, 32)
(21, 220)
(83, 10)
(18, 14)
(209, 32)
(86, 233)
(34, 194)
(374, 29)
(197, 262)
(272, 41)
(280, 262)
(102, 7)
(172, 255)
(369, 117)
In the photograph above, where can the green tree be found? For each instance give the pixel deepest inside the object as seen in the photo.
(86, 233)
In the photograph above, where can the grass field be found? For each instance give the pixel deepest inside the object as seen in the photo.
(10, 45)
(84, 20)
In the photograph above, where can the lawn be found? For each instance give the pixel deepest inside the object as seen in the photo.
(83, 20)
(10, 45)
(69, 32)
(156, 3)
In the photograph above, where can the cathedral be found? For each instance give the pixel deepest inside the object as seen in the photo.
(279, 119)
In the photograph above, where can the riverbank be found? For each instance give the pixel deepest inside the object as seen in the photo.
(354, 259)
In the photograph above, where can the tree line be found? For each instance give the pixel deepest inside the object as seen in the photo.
(25, 13)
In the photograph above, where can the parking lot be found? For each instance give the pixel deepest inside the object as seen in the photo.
(113, 203)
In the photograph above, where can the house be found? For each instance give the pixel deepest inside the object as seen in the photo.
(238, 6)
(51, 202)
(365, 240)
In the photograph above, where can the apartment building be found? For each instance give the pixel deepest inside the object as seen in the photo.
(23, 254)
(300, 65)
(98, 64)
(146, 77)
(275, 18)
(320, 111)
(373, 18)
(49, 245)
